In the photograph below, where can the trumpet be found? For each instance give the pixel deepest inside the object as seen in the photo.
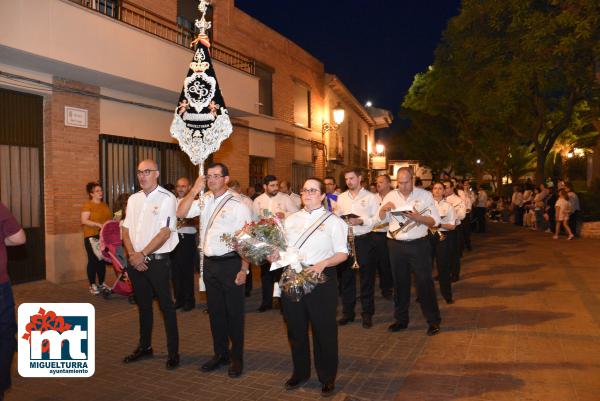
(352, 244)
(407, 225)
(435, 231)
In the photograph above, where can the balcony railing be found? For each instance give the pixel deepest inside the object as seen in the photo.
(155, 24)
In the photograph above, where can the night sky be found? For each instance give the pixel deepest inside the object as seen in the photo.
(376, 47)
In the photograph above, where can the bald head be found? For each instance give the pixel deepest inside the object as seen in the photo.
(404, 180)
(147, 174)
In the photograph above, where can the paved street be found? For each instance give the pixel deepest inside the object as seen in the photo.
(525, 326)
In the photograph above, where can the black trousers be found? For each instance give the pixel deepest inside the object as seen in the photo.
(8, 330)
(573, 217)
(225, 301)
(519, 215)
(454, 252)
(466, 229)
(184, 257)
(409, 257)
(94, 266)
(155, 280)
(441, 252)
(365, 249)
(319, 309)
(268, 279)
(480, 217)
(382, 259)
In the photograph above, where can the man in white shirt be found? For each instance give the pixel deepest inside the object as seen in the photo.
(410, 212)
(468, 197)
(330, 195)
(271, 203)
(286, 188)
(224, 271)
(454, 237)
(386, 283)
(359, 202)
(185, 254)
(149, 236)
(481, 208)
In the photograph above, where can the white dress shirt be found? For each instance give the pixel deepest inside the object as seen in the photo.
(365, 205)
(296, 199)
(517, 199)
(460, 210)
(418, 199)
(446, 212)
(482, 198)
(147, 215)
(265, 205)
(381, 229)
(466, 198)
(231, 218)
(327, 240)
(185, 229)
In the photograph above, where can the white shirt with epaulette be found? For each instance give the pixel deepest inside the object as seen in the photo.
(265, 205)
(446, 212)
(147, 215)
(365, 205)
(230, 218)
(460, 210)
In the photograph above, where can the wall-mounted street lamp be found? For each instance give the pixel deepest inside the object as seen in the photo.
(380, 148)
(332, 128)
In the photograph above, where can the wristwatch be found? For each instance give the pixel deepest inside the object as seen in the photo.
(147, 258)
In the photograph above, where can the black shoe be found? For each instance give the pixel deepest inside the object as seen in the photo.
(449, 301)
(178, 305)
(397, 327)
(188, 307)
(138, 354)
(235, 368)
(327, 389)
(295, 382)
(172, 361)
(454, 278)
(214, 363)
(264, 308)
(276, 303)
(367, 321)
(433, 329)
(345, 320)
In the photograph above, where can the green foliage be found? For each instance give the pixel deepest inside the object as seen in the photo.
(507, 74)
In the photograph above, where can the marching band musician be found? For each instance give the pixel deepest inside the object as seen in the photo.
(454, 237)
(468, 196)
(442, 246)
(359, 202)
(321, 238)
(386, 284)
(271, 203)
(224, 271)
(410, 249)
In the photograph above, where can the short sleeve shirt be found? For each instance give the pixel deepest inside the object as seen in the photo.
(99, 213)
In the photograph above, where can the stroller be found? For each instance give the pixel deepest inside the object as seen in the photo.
(113, 252)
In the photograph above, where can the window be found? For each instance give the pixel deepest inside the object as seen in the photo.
(301, 104)
(300, 173)
(119, 157)
(265, 88)
(258, 170)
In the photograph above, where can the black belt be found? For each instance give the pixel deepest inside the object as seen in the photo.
(407, 241)
(186, 235)
(228, 255)
(158, 256)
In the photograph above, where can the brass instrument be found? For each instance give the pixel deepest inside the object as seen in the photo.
(435, 231)
(407, 225)
(351, 244)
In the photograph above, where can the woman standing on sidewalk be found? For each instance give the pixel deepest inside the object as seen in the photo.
(563, 209)
(94, 213)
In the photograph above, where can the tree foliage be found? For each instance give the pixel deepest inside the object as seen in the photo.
(507, 75)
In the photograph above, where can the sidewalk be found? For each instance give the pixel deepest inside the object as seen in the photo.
(525, 326)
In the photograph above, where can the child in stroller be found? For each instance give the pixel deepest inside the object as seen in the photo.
(113, 252)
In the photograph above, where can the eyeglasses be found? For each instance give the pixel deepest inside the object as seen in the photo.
(310, 191)
(213, 176)
(145, 173)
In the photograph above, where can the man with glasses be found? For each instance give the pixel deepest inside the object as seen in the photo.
(271, 203)
(149, 235)
(330, 195)
(224, 271)
(360, 208)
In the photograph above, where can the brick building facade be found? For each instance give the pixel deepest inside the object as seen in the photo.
(122, 69)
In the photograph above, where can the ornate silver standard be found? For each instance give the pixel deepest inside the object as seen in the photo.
(201, 121)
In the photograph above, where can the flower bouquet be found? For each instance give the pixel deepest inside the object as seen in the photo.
(258, 240)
